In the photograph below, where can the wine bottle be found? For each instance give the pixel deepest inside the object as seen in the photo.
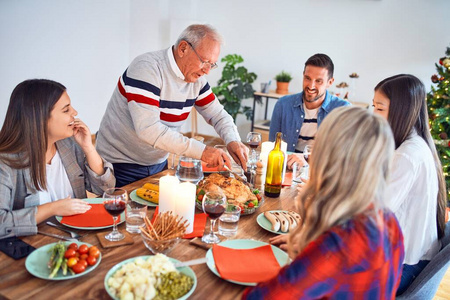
(274, 172)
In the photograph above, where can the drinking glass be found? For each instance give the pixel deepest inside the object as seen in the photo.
(189, 169)
(214, 205)
(307, 152)
(253, 141)
(115, 203)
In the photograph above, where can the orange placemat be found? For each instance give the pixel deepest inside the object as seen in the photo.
(246, 265)
(97, 216)
(199, 224)
(287, 179)
(209, 169)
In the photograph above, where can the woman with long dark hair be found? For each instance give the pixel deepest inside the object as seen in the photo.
(47, 159)
(417, 192)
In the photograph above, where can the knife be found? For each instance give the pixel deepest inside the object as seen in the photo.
(192, 262)
(57, 236)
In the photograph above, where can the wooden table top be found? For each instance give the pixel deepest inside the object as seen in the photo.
(17, 283)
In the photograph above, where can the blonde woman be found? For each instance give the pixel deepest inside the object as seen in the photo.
(348, 246)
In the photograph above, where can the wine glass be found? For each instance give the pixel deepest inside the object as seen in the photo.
(214, 205)
(253, 141)
(189, 169)
(115, 203)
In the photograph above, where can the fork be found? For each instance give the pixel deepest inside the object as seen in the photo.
(73, 234)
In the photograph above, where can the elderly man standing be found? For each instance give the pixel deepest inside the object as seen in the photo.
(154, 97)
(299, 115)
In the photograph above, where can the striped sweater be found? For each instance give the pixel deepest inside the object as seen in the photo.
(149, 105)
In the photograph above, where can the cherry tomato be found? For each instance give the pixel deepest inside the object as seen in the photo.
(93, 251)
(91, 260)
(200, 197)
(83, 262)
(70, 253)
(78, 268)
(258, 196)
(84, 256)
(83, 249)
(73, 246)
(250, 205)
(72, 262)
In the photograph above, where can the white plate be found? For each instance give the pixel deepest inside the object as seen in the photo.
(264, 223)
(93, 201)
(36, 263)
(185, 270)
(281, 256)
(136, 198)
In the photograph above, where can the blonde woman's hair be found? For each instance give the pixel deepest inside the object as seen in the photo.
(348, 170)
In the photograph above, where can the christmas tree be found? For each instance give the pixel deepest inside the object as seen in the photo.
(438, 102)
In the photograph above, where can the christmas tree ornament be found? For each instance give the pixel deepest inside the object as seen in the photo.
(441, 60)
(446, 62)
(434, 79)
(443, 135)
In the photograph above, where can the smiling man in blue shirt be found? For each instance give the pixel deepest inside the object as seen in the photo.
(298, 116)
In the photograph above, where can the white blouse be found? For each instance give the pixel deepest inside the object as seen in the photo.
(58, 184)
(412, 196)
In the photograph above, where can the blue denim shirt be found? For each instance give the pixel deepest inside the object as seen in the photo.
(288, 115)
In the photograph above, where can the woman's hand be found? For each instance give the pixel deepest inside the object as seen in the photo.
(62, 207)
(82, 135)
(280, 241)
(69, 207)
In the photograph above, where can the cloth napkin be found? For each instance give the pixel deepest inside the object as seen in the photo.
(287, 179)
(246, 265)
(199, 224)
(97, 216)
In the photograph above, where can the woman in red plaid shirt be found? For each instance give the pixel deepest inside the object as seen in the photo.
(348, 245)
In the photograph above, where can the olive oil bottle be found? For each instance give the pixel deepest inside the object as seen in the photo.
(274, 172)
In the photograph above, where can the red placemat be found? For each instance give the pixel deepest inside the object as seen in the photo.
(246, 265)
(97, 216)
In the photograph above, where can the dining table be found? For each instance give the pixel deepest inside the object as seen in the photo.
(17, 283)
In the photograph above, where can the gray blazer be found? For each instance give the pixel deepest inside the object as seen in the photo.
(19, 199)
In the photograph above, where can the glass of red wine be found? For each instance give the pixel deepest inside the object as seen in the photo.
(253, 141)
(115, 202)
(214, 205)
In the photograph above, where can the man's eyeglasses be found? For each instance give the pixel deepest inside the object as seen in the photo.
(204, 63)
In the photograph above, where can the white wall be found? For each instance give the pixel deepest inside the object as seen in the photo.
(81, 43)
(86, 45)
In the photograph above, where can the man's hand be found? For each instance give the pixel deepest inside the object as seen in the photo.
(216, 158)
(239, 152)
(293, 158)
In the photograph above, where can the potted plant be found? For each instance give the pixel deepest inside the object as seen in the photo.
(283, 80)
(234, 86)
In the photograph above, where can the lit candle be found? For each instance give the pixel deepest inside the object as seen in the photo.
(167, 193)
(178, 198)
(186, 203)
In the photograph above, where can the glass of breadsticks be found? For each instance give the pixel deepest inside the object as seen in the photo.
(164, 233)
